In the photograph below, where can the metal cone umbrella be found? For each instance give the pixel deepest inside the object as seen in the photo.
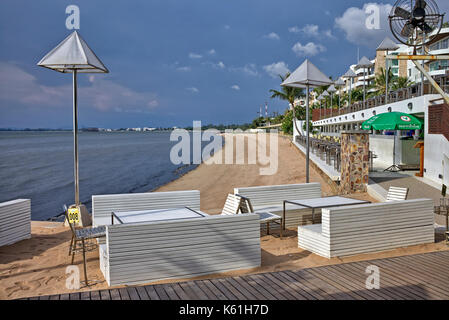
(306, 76)
(73, 55)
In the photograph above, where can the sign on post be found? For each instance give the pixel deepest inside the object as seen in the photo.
(74, 214)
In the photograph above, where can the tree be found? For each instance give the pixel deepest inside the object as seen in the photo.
(380, 82)
(400, 83)
(289, 94)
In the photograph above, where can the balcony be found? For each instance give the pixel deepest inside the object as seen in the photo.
(395, 96)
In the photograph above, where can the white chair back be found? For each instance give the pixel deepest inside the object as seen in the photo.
(397, 194)
(232, 205)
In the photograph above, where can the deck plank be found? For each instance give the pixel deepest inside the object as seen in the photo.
(412, 277)
(143, 294)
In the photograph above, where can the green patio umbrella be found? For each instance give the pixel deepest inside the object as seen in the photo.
(393, 121)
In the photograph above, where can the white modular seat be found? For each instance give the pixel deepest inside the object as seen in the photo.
(364, 228)
(180, 249)
(270, 199)
(15, 221)
(104, 205)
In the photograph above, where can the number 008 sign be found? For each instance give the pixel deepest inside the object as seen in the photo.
(74, 214)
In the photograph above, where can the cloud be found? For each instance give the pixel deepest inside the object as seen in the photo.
(184, 69)
(212, 52)
(312, 31)
(353, 24)
(193, 89)
(328, 33)
(16, 85)
(218, 65)
(272, 36)
(248, 69)
(294, 29)
(308, 50)
(235, 87)
(195, 55)
(276, 69)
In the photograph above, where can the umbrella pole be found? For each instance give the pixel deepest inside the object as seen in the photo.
(387, 73)
(394, 167)
(307, 130)
(75, 138)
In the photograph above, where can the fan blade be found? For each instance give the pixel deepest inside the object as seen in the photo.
(426, 28)
(402, 13)
(420, 4)
(407, 31)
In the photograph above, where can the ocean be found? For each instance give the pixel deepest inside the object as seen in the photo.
(39, 166)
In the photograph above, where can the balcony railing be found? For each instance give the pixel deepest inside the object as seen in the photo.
(394, 96)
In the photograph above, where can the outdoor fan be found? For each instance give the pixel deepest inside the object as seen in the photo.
(415, 22)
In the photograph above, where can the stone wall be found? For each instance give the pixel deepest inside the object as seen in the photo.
(354, 161)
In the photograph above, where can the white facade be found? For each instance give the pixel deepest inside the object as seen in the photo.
(436, 150)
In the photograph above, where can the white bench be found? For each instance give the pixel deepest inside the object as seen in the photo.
(15, 221)
(270, 198)
(366, 228)
(104, 205)
(180, 249)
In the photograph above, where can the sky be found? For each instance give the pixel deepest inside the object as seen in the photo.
(173, 62)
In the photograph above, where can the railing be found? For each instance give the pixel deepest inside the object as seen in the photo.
(329, 151)
(394, 96)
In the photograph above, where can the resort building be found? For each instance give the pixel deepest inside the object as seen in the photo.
(422, 101)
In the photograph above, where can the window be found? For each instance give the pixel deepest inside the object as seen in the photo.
(440, 45)
(395, 62)
(439, 65)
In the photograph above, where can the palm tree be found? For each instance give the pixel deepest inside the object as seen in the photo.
(289, 94)
(380, 82)
(400, 83)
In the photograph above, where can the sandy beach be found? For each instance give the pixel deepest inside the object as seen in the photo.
(37, 266)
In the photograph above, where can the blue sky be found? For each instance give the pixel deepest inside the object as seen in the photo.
(172, 62)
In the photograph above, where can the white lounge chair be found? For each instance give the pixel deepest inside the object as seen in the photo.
(397, 194)
(236, 204)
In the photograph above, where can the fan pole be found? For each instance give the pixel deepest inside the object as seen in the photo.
(307, 129)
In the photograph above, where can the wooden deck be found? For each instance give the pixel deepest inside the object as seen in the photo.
(416, 277)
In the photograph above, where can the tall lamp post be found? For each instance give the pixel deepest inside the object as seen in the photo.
(325, 94)
(332, 90)
(73, 55)
(339, 83)
(307, 76)
(364, 63)
(350, 75)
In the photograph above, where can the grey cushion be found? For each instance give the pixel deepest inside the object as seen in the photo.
(91, 232)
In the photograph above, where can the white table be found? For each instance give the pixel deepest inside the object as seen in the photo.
(326, 202)
(156, 215)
